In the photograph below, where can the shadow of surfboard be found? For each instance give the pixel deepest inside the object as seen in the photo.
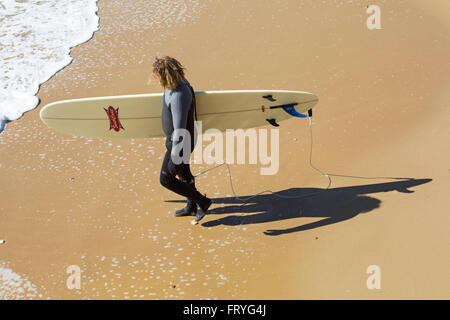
(334, 205)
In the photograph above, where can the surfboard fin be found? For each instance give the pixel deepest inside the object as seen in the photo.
(273, 122)
(269, 97)
(291, 110)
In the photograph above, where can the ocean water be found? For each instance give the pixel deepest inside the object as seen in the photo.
(35, 41)
(36, 37)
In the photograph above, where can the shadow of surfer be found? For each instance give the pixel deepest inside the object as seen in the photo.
(334, 205)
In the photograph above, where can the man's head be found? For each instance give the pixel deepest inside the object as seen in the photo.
(168, 71)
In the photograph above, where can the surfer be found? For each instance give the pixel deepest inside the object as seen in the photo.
(178, 107)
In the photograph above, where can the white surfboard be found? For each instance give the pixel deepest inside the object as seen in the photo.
(139, 116)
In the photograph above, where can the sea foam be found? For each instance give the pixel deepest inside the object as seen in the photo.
(35, 41)
(14, 286)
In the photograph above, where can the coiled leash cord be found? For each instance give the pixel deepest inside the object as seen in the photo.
(328, 175)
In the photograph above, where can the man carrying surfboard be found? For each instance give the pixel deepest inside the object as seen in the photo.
(178, 107)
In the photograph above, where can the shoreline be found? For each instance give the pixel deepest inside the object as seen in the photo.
(29, 99)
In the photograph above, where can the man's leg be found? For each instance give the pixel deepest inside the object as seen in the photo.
(185, 175)
(169, 180)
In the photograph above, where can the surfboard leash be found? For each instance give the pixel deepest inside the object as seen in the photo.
(325, 174)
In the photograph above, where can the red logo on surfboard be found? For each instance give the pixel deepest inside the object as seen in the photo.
(114, 121)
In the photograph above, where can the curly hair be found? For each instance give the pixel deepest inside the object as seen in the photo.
(171, 71)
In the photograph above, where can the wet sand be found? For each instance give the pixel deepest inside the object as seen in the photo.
(383, 112)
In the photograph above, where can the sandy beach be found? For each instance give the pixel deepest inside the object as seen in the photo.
(383, 112)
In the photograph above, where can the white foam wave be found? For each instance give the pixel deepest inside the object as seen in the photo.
(35, 41)
(14, 286)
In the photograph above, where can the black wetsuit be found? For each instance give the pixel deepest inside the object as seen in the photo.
(178, 107)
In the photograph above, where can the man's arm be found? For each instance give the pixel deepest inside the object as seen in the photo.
(180, 104)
